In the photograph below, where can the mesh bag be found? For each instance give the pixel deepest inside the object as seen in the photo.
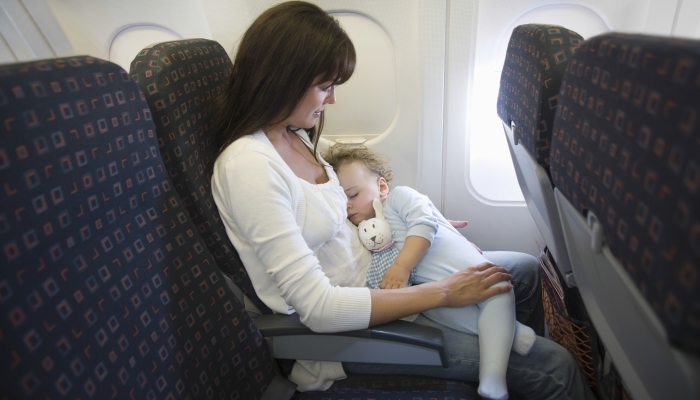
(567, 321)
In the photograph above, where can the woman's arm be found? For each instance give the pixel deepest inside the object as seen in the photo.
(415, 214)
(255, 197)
(466, 287)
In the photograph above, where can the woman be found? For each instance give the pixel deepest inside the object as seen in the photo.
(285, 212)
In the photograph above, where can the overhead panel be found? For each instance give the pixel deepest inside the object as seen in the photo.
(92, 26)
(29, 31)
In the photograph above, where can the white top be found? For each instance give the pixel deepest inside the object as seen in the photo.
(281, 225)
(298, 247)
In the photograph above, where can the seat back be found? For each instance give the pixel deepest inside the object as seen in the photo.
(106, 289)
(180, 80)
(625, 162)
(536, 59)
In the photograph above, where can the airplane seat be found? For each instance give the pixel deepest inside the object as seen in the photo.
(535, 62)
(106, 290)
(624, 160)
(180, 80)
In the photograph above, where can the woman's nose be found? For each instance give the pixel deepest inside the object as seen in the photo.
(330, 99)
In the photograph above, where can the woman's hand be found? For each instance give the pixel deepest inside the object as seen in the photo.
(466, 287)
(474, 284)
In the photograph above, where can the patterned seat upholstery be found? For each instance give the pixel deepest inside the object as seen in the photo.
(535, 62)
(536, 59)
(626, 154)
(106, 289)
(180, 80)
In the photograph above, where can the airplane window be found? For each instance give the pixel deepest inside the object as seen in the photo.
(366, 104)
(493, 35)
(130, 41)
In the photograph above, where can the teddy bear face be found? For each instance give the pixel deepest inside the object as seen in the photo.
(374, 233)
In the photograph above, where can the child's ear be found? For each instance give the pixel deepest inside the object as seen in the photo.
(383, 187)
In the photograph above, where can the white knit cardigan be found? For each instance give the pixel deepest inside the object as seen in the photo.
(262, 206)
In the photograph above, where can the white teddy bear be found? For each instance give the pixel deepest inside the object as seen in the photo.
(375, 235)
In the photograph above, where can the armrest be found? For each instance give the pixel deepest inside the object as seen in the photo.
(397, 342)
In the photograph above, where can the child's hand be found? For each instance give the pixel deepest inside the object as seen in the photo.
(458, 224)
(395, 277)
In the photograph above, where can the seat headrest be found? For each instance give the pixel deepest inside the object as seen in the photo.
(626, 147)
(536, 59)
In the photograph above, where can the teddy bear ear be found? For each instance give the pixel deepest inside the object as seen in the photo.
(377, 204)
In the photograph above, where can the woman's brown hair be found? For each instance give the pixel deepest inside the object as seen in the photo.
(279, 58)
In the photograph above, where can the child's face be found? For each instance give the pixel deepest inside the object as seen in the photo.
(362, 187)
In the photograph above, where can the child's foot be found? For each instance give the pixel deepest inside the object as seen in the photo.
(523, 339)
(492, 382)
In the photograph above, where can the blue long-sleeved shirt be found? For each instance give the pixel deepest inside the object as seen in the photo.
(410, 213)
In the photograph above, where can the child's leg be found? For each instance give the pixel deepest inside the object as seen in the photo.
(463, 319)
(496, 330)
(523, 339)
(466, 319)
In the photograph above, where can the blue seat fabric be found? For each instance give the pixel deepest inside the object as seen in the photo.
(180, 80)
(393, 387)
(627, 148)
(536, 59)
(106, 288)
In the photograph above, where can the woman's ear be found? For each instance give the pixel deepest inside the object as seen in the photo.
(383, 188)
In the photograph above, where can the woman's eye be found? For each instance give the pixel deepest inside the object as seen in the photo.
(353, 196)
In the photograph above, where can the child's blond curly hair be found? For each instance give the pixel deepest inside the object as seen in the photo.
(341, 154)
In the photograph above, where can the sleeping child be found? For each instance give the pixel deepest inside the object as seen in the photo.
(427, 248)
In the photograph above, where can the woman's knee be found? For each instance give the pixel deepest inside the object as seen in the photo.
(547, 372)
(524, 268)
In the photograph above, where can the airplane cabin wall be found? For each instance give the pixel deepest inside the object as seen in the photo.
(425, 86)
(480, 185)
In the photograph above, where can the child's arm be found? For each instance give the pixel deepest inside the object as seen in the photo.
(415, 211)
(397, 275)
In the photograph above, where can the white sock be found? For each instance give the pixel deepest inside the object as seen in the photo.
(524, 339)
(496, 331)
(492, 383)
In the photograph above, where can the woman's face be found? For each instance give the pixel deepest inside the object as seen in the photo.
(315, 100)
(362, 187)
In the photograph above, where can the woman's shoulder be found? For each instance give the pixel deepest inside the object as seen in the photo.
(253, 146)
